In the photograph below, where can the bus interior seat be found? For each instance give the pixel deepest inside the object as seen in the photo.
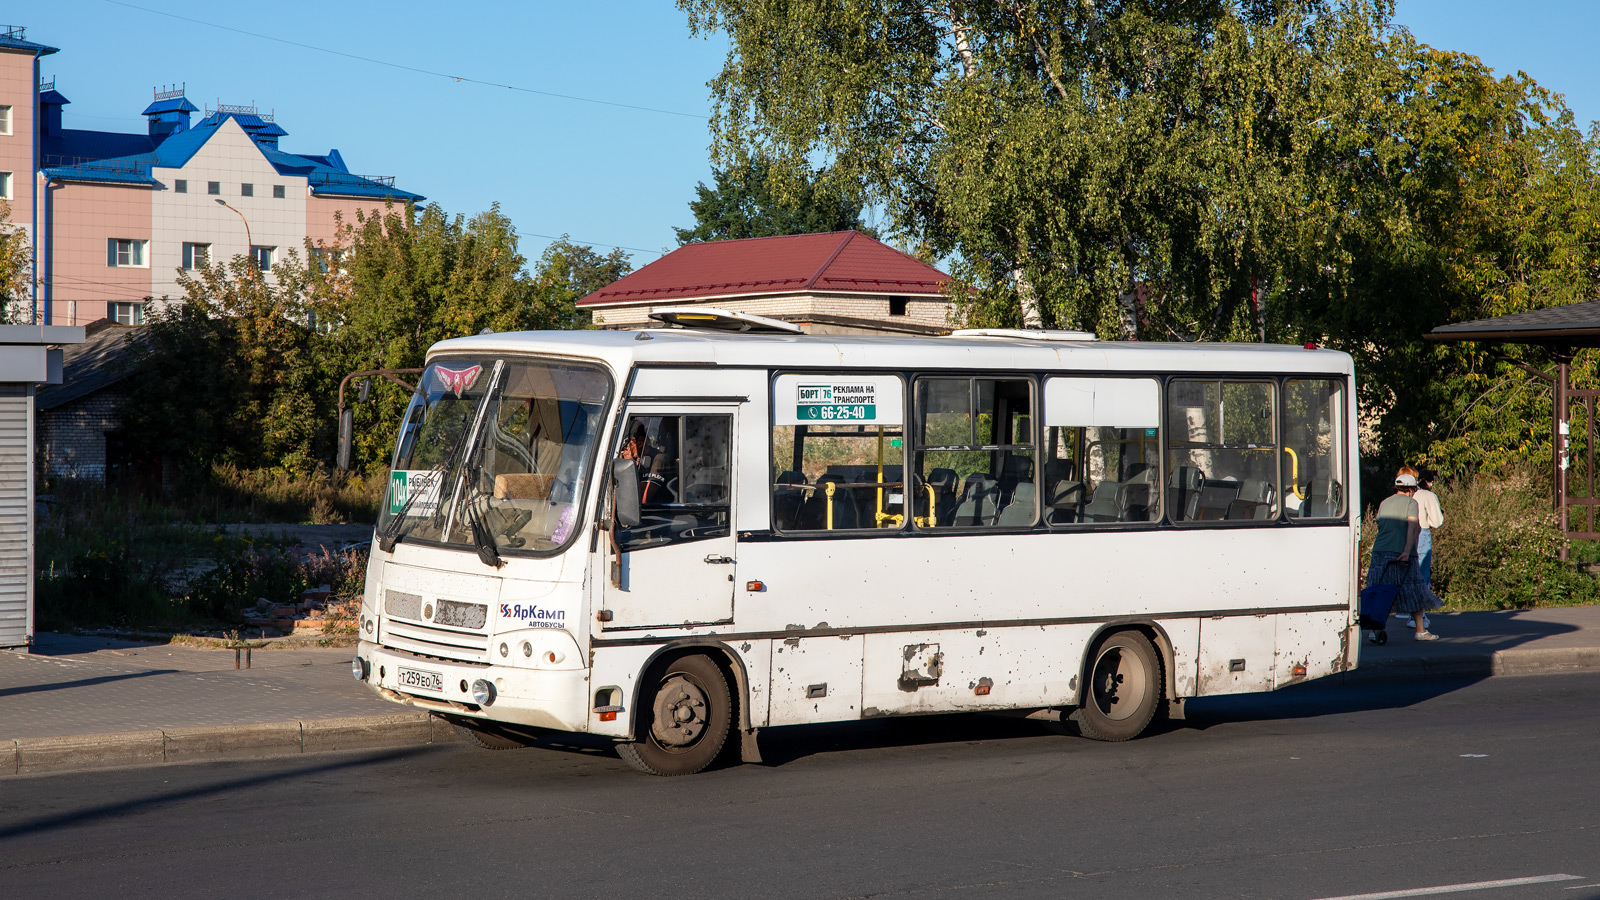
(943, 482)
(1256, 499)
(979, 502)
(1014, 471)
(814, 514)
(1137, 492)
(1216, 497)
(1019, 512)
(787, 498)
(1106, 503)
(1183, 492)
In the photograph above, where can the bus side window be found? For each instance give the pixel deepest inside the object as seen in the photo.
(837, 477)
(1314, 441)
(975, 453)
(1102, 451)
(1222, 451)
(684, 484)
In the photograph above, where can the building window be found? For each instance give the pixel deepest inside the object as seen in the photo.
(125, 252)
(213, 187)
(125, 313)
(247, 190)
(5, 120)
(264, 257)
(277, 192)
(5, 185)
(180, 186)
(196, 255)
(897, 306)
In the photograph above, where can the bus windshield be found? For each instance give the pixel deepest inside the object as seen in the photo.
(496, 450)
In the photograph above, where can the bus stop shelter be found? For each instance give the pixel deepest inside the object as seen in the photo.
(1562, 331)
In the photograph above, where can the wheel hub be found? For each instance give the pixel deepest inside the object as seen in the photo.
(680, 712)
(1116, 676)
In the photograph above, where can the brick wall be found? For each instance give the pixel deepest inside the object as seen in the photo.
(72, 437)
(926, 311)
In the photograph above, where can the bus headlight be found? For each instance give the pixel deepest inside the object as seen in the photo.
(482, 693)
(358, 668)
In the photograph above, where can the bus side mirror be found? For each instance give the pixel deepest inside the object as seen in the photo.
(624, 493)
(347, 431)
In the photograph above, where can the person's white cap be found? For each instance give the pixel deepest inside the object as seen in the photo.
(1404, 480)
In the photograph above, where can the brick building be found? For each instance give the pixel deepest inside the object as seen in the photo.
(78, 422)
(837, 283)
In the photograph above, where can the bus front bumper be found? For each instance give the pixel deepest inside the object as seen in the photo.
(542, 698)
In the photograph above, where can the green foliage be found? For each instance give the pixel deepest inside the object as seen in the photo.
(245, 371)
(244, 573)
(1285, 170)
(16, 271)
(1498, 546)
(103, 586)
(752, 200)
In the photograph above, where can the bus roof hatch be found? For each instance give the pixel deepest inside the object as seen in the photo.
(713, 319)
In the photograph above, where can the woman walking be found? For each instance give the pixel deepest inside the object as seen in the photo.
(1394, 556)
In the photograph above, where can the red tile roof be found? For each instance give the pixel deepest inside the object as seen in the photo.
(842, 261)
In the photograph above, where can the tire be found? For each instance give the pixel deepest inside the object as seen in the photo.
(485, 736)
(684, 719)
(1123, 690)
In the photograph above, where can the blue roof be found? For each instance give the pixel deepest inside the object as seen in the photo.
(175, 104)
(72, 146)
(9, 43)
(53, 96)
(326, 174)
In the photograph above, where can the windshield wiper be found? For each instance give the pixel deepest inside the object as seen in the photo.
(488, 551)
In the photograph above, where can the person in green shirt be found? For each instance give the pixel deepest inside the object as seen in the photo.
(1394, 555)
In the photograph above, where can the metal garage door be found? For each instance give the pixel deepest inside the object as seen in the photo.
(16, 515)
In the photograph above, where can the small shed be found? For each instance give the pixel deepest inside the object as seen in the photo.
(841, 282)
(30, 355)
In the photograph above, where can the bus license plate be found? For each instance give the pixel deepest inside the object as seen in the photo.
(422, 680)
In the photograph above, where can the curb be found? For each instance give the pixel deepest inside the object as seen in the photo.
(29, 756)
(1530, 661)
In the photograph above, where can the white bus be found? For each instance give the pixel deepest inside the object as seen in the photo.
(674, 538)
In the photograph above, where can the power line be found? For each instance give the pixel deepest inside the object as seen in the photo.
(402, 66)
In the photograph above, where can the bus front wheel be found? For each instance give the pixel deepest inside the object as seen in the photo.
(685, 721)
(1124, 688)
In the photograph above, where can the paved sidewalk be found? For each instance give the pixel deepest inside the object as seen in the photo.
(89, 702)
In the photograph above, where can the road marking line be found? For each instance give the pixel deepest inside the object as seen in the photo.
(1579, 887)
(1458, 888)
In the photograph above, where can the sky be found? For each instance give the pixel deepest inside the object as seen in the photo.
(619, 172)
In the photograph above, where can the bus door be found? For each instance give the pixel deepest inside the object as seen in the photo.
(676, 567)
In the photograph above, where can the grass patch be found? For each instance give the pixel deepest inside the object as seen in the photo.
(126, 558)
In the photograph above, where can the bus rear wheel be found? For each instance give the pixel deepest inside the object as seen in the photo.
(1124, 688)
(685, 722)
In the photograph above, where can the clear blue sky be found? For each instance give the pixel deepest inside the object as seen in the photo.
(603, 174)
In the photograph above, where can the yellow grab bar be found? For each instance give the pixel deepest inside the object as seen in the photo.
(1294, 474)
(830, 505)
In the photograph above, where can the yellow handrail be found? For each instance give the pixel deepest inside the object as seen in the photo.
(830, 505)
(1294, 474)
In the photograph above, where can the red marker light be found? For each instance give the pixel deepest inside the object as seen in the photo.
(1311, 345)
(754, 586)
(981, 690)
(608, 717)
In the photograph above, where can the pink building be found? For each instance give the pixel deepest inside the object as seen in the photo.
(113, 218)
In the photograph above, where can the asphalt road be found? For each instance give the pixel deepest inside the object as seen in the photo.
(1315, 792)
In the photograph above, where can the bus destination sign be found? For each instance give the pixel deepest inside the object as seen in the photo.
(838, 402)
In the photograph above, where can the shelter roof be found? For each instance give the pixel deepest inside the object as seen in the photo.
(836, 262)
(88, 367)
(1570, 325)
